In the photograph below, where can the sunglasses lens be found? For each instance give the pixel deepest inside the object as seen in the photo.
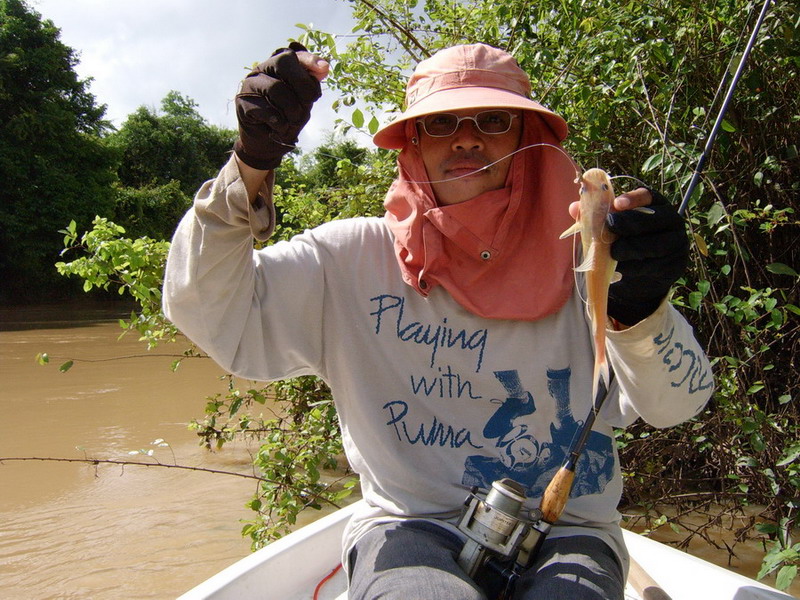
(493, 121)
(441, 124)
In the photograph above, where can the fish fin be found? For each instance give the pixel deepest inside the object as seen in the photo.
(571, 231)
(588, 262)
(616, 276)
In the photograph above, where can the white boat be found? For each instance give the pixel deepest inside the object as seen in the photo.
(304, 566)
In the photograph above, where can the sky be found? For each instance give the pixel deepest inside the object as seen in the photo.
(138, 50)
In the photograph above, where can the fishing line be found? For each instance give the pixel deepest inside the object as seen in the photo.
(631, 177)
(729, 68)
(723, 109)
(578, 168)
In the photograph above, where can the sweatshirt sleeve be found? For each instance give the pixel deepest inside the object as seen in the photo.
(256, 313)
(663, 374)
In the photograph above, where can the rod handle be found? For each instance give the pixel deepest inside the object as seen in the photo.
(556, 495)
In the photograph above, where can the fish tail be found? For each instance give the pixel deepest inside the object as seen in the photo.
(601, 370)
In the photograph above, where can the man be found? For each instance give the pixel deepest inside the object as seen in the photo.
(449, 330)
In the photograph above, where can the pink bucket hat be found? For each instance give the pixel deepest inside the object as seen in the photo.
(465, 77)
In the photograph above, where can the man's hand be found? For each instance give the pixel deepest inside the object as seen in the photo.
(274, 103)
(652, 251)
(633, 199)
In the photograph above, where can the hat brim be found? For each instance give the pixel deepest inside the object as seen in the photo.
(393, 137)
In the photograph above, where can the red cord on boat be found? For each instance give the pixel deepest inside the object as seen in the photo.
(325, 580)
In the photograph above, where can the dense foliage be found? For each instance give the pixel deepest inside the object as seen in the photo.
(53, 165)
(164, 156)
(173, 144)
(60, 161)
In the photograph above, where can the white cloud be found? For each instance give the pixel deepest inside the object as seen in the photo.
(138, 50)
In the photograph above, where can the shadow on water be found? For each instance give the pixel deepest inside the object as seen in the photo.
(64, 315)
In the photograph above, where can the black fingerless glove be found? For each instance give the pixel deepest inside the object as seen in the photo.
(272, 107)
(651, 253)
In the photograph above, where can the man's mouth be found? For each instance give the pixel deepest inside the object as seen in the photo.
(464, 168)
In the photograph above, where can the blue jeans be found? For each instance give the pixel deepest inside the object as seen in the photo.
(412, 560)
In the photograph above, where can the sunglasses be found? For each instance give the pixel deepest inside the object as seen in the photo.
(492, 122)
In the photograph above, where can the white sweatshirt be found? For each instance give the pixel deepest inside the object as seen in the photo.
(432, 399)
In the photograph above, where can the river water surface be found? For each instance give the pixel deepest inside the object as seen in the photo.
(80, 531)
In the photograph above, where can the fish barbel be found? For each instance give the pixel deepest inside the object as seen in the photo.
(596, 200)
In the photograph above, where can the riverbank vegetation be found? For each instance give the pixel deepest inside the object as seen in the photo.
(60, 160)
(640, 85)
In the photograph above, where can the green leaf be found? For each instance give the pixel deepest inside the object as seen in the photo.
(358, 118)
(700, 243)
(755, 388)
(782, 269)
(785, 577)
(66, 366)
(746, 461)
(715, 214)
(728, 126)
(695, 298)
(767, 528)
(791, 455)
(373, 126)
(653, 162)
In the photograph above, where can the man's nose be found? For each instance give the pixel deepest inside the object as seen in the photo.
(467, 137)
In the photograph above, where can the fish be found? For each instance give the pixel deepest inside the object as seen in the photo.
(596, 200)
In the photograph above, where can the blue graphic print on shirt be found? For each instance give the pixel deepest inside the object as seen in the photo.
(518, 453)
(533, 462)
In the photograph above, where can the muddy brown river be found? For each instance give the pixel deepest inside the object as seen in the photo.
(79, 531)
(110, 532)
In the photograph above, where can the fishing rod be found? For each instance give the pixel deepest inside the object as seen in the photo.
(701, 163)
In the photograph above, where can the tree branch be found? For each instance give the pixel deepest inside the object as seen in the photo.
(405, 31)
(98, 461)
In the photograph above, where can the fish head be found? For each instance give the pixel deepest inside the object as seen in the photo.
(596, 187)
(597, 200)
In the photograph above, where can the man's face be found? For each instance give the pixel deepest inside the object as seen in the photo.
(457, 158)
